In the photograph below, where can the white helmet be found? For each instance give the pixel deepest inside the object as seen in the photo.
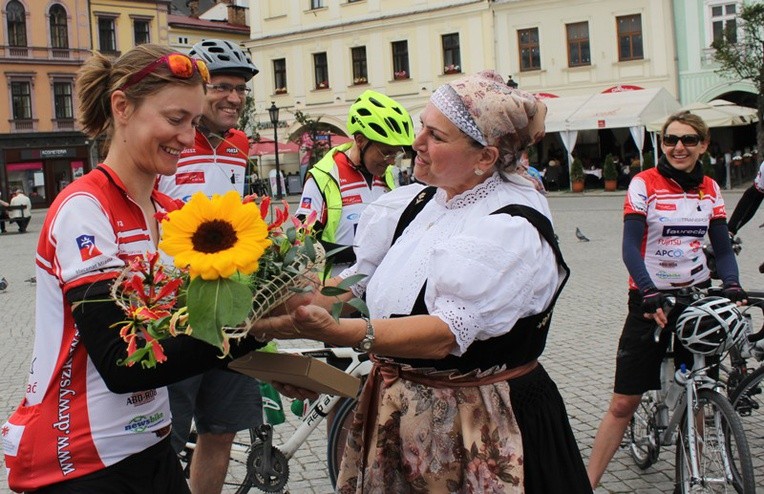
(710, 325)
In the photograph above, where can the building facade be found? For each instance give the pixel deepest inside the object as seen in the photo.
(42, 45)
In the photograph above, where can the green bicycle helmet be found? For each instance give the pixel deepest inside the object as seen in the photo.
(381, 119)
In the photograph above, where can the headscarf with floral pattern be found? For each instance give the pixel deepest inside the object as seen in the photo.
(486, 109)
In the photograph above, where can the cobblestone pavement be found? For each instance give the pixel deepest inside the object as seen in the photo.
(579, 355)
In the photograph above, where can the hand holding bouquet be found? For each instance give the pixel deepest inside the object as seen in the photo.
(231, 268)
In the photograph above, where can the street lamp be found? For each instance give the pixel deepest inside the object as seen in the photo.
(511, 83)
(273, 112)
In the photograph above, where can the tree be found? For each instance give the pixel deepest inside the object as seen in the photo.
(743, 56)
(247, 122)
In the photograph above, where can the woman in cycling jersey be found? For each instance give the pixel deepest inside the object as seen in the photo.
(460, 290)
(667, 212)
(87, 424)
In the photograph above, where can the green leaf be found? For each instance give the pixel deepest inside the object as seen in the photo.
(350, 281)
(291, 234)
(336, 310)
(213, 304)
(359, 305)
(333, 291)
(290, 256)
(310, 249)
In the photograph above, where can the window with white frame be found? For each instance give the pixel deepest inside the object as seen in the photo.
(107, 35)
(530, 51)
(59, 30)
(452, 55)
(62, 100)
(21, 100)
(142, 31)
(629, 37)
(360, 73)
(722, 18)
(279, 76)
(321, 70)
(579, 52)
(401, 60)
(16, 21)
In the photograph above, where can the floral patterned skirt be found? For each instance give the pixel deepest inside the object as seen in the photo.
(507, 437)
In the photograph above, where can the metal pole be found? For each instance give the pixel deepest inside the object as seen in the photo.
(273, 112)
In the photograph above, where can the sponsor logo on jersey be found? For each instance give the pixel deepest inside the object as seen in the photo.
(667, 264)
(306, 202)
(665, 206)
(696, 245)
(348, 200)
(142, 397)
(663, 275)
(669, 253)
(684, 231)
(697, 269)
(87, 246)
(664, 219)
(719, 211)
(669, 241)
(232, 150)
(353, 216)
(141, 423)
(189, 178)
(682, 283)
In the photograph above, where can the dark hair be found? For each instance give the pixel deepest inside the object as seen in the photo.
(100, 76)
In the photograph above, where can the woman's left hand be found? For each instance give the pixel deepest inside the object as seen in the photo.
(307, 321)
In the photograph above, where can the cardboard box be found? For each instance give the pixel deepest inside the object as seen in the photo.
(297, 370)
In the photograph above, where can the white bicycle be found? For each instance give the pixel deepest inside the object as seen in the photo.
(257, 462)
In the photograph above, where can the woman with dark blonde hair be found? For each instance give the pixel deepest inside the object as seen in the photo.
(667, 211)
(86, 423)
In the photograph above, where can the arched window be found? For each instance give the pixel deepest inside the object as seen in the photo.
(59, 34)
(17, 24)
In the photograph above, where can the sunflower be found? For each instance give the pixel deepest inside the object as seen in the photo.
(214, 238)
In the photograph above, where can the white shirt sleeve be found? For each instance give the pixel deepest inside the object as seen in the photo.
(311, 199)
(482, 284)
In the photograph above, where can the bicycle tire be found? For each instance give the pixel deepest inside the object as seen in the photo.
(236, 476)
(748, 401)
(338, 435)
(642, 436)
(722, 438)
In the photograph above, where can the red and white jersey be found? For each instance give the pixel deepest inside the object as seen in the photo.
(677, 221)
(207, 169)
(69, 424)
(356, 195)
(759, 181)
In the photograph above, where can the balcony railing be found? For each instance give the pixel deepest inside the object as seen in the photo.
(63, 124)
(60, 53)
(18, 51)
(24, 124)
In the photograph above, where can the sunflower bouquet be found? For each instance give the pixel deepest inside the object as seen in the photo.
(230, 269)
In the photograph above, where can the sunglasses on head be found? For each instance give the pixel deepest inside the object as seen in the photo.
(687, 140)
(180, 66)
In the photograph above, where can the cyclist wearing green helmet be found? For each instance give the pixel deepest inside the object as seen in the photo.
(352, 175)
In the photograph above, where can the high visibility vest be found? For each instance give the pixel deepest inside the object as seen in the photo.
(327, 178)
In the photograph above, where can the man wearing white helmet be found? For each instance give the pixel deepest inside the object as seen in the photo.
(220, 402)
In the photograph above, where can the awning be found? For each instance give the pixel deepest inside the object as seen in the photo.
(716, 113)
(266, 147)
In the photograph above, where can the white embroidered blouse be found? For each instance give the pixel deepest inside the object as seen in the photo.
(483, 271)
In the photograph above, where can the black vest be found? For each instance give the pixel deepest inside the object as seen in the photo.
(526, 341)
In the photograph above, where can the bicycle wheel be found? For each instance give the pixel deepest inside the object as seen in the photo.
(642, 436)
(748, 401)
(236, 476)
(724, 462)
(338, 435)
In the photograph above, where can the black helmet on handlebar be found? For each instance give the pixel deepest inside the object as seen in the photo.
(710, 326)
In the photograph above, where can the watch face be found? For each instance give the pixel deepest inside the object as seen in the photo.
(366, 344)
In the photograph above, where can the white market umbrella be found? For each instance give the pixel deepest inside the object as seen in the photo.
(717, 113)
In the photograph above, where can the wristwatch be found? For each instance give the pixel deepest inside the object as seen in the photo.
(364, 346)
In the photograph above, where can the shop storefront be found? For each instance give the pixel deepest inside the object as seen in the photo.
(42, 167)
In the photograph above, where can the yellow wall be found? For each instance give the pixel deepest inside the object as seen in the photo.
(124, 11)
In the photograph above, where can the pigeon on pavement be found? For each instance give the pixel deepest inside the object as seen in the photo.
(33, 279)
(580, 236)
(3, 284)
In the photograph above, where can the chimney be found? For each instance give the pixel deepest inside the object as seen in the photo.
(237, 15)
(193, 6)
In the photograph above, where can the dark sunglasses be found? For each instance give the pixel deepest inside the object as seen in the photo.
(687, 139)
(180, 66)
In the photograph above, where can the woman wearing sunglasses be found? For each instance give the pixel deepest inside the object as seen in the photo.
(87, 424)
(668, 211)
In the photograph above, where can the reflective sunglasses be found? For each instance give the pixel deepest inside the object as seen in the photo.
(226, 88)
(391, 155)
(180, 66)
(689, 140)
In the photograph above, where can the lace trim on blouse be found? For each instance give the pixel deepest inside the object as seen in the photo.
(469, 197)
